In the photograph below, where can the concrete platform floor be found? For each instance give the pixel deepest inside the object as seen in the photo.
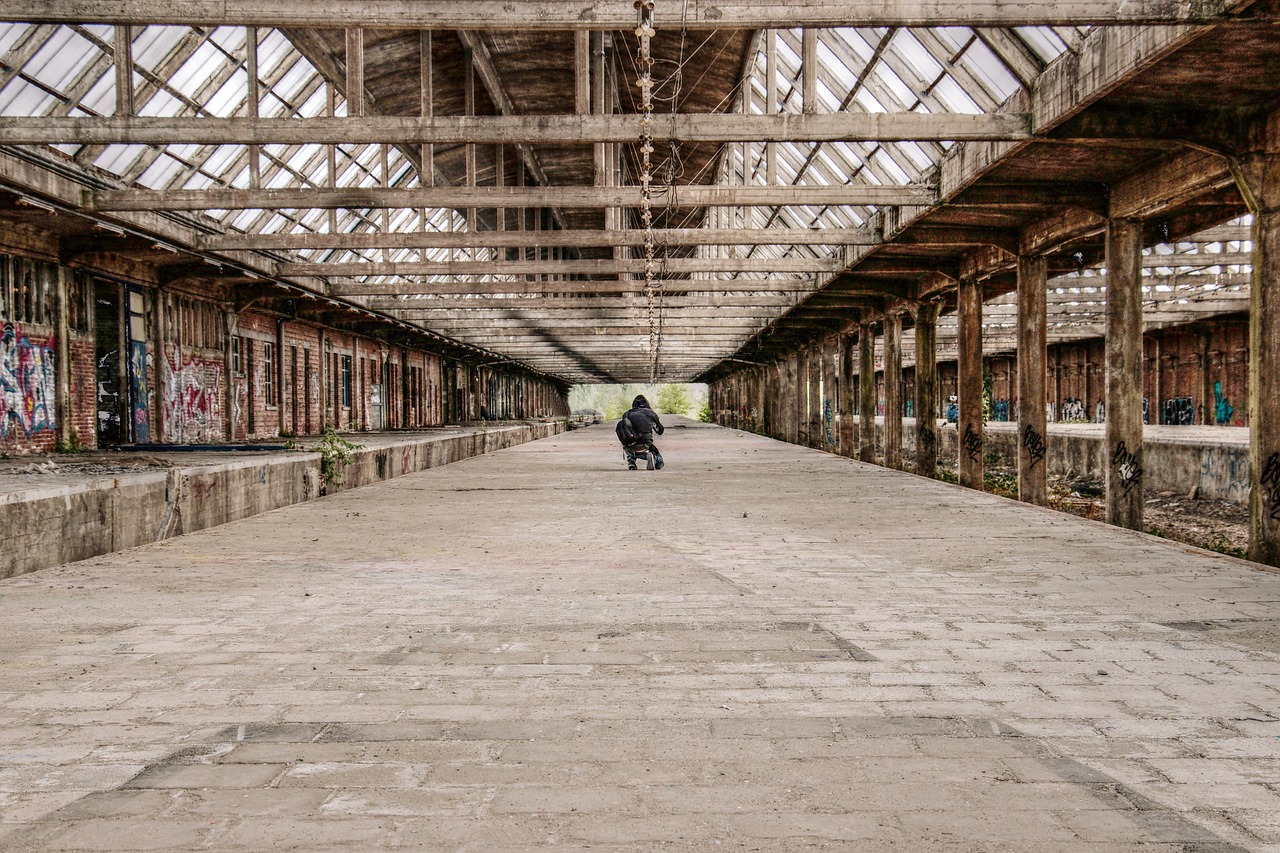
(761, 647)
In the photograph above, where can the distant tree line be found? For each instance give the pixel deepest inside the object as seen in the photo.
(614, 400)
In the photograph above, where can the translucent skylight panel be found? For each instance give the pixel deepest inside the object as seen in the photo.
(276, 224)
(294, 81)
(198, 181)
(20, 98)
(868, 101)
(828, 101)
(890, 167)
(1043, 42)
(230, 39)
(241, 177)
(953, 37)
(315, 105)
(153, 45)
(906, 46)
(990, 71)
(273, 49)
(196, 72)
(853, 40)
(837, 69)
(162, 104)
(228, 100)
(280, 179)
(903, 93)
(301, 159)
(12, 35)
(101, 97)
(118, 158)
(954, 97)
(61, 59)
(916, 155)
(220, 160)
(244, 220)
(161, 172)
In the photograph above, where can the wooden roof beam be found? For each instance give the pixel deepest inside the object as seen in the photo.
(617, 14)
(501, 197)
(529, 239)
(510, 129)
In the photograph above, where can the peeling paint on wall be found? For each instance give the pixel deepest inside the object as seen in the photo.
(192, 400)
(26, 382)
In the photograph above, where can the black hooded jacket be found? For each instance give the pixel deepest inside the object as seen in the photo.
(644, 420)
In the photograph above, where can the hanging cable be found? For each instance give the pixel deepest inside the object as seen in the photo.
(644, 65)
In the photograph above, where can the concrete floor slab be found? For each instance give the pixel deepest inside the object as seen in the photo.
(759, 647)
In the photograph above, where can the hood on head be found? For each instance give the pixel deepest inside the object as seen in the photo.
(639, 402)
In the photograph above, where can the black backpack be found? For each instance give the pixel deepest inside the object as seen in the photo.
(627, 432)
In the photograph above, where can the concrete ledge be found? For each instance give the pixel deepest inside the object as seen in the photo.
(1211, 462)
(52, 525)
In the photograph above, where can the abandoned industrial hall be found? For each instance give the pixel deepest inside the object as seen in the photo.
(312, 282)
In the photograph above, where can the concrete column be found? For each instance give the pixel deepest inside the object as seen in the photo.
(848, 362)
(64, 430)
(893, 391)
(815, 394)
(927, 389)
(1258, 177)
(759, 393)
(969, 384)
(830, 387)
(867, 393)
(1124, 373)
(229, 377)
(162, 365)
(1033, 278)
(801, 386)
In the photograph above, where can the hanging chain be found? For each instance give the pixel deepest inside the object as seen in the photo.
(645, 32)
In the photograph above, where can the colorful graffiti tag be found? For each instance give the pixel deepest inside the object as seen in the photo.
(192, 395)
(26, 383)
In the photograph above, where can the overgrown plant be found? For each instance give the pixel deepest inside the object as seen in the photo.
(71, 444)
(335, 454)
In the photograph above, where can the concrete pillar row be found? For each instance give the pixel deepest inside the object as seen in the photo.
(972, 422)
(1033, 279)
(848, 365)
(1123, 348)
(800, 386)
(830, 388)
(893, 390)
(927, 389)
(1258, 177)
(867, 393)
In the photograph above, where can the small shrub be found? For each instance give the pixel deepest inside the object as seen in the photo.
(335, 454)
(71, 445)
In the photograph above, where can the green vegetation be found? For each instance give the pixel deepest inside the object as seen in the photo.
(614, 400)
(71, 445)
(335, 454)
(673, 399)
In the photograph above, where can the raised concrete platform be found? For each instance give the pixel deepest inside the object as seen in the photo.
(56, 513)
(760, 647)
(1207, 461)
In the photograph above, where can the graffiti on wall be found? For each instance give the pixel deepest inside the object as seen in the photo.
(1222, 408)
(828, 418)
(1270, 482)
(192, 399)
(1073, 411)
(26, 382)
(1180, 411)
(139, 392)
